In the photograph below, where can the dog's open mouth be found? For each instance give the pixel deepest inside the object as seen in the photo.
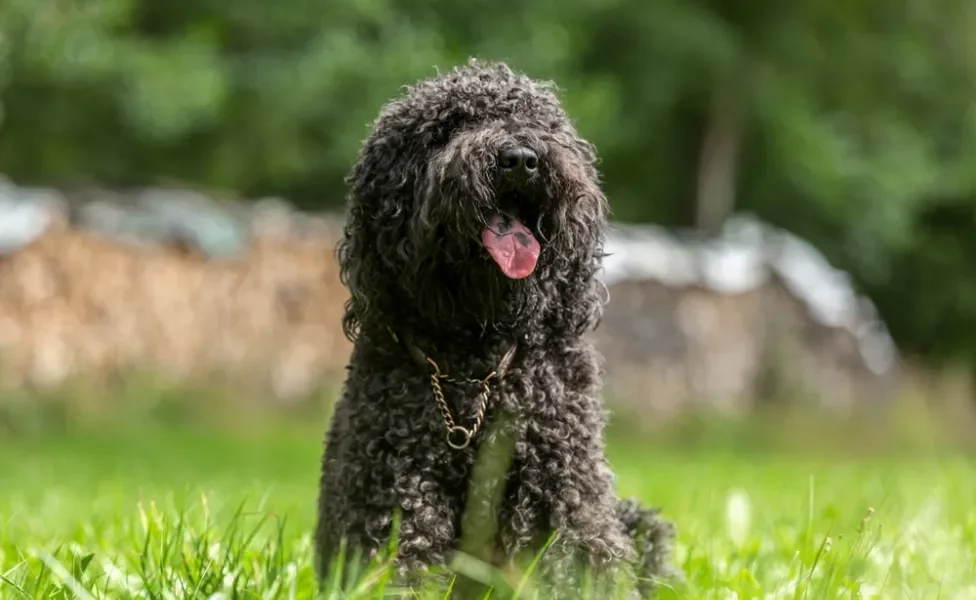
(512, 245)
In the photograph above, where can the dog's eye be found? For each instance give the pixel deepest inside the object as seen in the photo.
(440, 136)
(443, 136)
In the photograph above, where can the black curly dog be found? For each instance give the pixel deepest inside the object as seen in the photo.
(474, 234)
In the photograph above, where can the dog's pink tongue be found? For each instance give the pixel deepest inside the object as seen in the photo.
(512, 246)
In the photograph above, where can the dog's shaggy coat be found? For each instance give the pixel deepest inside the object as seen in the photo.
(427, 189)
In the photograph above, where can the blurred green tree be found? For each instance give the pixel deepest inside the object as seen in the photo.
(848, 122)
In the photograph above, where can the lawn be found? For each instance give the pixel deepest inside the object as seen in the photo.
(182, 511)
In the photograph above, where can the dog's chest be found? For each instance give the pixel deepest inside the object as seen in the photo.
(504, 419)
(504, 438)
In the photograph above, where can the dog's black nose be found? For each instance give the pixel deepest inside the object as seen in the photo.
(518, 162)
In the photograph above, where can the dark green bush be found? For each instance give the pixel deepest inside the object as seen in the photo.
(844, 119)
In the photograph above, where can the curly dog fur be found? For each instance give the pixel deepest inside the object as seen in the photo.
(425, 187)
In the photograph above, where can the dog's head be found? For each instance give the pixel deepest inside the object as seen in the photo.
(474, 203)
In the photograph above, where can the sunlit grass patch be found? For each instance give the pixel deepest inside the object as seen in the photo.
(183, 514)
(134, 505)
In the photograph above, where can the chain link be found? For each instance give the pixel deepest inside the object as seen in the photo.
(453, 428)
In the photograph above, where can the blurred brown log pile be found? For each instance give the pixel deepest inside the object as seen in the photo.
(754, 315)
(98, 282)
(76, 299)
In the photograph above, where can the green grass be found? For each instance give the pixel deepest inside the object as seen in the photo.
(169, 511)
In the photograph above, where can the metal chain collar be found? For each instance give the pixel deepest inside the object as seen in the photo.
(454, 431)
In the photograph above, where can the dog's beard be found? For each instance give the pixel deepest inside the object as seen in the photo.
(478, 268)
(479, 250)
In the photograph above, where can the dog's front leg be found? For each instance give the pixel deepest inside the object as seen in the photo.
(565, 487)
(427, 529)
(388, 486)
(413, 518)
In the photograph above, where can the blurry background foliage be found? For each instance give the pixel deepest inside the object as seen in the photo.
(849, 122)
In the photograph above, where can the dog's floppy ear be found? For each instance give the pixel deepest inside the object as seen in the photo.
(381, 191)
(579, 245)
